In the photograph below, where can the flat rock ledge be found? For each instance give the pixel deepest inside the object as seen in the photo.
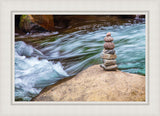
(95, 84)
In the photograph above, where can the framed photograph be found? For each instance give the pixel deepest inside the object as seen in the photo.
(79, 58)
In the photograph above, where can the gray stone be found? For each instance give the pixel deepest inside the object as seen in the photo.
(109, 68)
(109, 51)
(109, 62)
(108, 56)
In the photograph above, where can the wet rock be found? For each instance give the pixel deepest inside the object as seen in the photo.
(45, 21)
(36, 23)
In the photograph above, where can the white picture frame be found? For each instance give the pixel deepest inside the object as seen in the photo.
(8, 8)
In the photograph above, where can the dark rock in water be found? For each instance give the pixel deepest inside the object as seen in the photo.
(109, 51)
(109, 45)
(36, 23)
(109, 62)
(108, 56)
(108, 34)
(108, 39)
(109, 68)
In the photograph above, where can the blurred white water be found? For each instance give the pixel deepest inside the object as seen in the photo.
(32, 74)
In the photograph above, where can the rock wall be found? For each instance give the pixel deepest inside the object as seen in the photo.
(36, 23)
(41, 23)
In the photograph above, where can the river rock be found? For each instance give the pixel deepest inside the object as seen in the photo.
(36, 23)
(108, 56)
(109, 68)
(109, 45)
(109, 51)
(108, 34)
(109, 62)
(95, 84)
(108, 39)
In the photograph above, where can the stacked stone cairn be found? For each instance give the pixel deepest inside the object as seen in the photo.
(108, 54)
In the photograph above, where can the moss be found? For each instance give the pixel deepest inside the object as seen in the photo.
(22, 18)
(24, 22)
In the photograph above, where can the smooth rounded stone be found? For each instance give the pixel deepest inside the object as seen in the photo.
(94, 84)
(109, 68)
(109, 51)
(108, 34)
(109, 45)
(108, 56)
(108, 39)
(109, 62)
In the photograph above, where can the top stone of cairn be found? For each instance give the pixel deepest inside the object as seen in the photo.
(108, 34)
(108, 37)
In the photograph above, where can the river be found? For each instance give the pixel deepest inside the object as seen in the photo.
(40, 62)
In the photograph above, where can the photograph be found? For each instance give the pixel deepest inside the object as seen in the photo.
(79, 58)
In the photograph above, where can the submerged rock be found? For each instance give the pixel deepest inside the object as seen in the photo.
(95, 84)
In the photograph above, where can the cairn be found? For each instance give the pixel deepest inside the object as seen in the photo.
(108, 55)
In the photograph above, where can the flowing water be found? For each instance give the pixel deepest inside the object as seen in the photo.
(43, 61)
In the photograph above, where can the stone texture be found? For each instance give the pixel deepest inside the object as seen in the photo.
(95, 84)
(109, 51)
(36, 23)
(109, 62)
(108, 39)
(45, 21)
(108, 56)
(109, 68)
(109, 45)
(108, 34)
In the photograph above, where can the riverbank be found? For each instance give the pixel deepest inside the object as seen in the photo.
(35, 24)
(95, 84)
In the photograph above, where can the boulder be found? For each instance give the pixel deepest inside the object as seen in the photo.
(45, 21)
(36, 23)
(95, 84)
